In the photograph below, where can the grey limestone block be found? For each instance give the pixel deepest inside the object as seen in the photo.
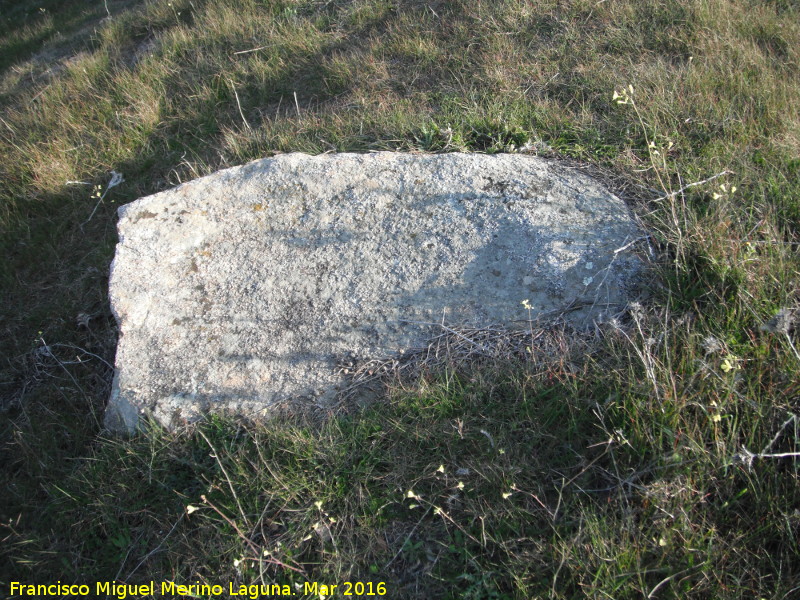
(243, 291)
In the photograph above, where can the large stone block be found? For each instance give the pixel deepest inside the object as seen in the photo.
(244, 290)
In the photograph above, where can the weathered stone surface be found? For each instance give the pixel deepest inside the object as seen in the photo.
(245, 289)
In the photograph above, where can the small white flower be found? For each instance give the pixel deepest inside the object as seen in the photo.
(711, 344)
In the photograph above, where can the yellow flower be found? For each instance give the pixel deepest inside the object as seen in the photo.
(623, 97)
(729, 363)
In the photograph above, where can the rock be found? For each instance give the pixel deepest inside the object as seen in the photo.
(246, 290)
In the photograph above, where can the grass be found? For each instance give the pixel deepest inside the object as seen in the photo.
(654, 458)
